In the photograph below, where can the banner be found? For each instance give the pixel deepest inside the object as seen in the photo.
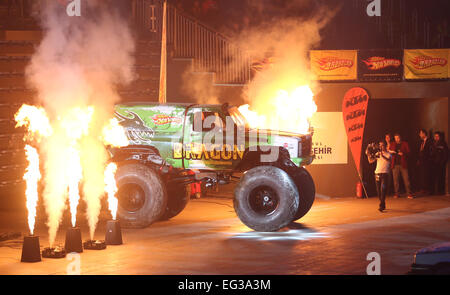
(334, 64)
(426, 63)
(354, 111)
(329, 140)
(380, 65)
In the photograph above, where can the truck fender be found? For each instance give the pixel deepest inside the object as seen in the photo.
(269, 154)
(142, 154)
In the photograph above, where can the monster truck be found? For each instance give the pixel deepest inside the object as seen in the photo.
(167, 142)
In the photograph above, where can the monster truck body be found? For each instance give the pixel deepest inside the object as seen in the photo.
(167, 142)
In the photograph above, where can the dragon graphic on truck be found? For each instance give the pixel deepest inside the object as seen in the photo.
(136, 129)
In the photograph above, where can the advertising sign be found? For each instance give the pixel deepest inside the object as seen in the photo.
(380, 65)
(426, 64)
(332, 65)
(354, 111)
(329, 139)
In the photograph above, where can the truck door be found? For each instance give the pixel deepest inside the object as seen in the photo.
(205, 140)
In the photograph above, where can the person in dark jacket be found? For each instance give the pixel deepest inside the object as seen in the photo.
(399, 164)
(439, 156)
(424, 162)
(388, 142)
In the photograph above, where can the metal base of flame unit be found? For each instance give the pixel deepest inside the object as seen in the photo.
(57, 252)
(113, 233)
(31, 251)
(94, 245)
(73, 240)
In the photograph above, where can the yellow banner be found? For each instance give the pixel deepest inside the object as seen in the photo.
(334, 64)
(426, 63)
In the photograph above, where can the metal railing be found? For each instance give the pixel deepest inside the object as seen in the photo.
(189, 38)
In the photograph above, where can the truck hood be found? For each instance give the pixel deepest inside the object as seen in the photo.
(279, 133)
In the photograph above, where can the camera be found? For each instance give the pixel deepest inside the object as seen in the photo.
(372, 149)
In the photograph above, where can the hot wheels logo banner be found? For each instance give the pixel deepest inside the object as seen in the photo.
(426, 63)
(380, 65)
(334, 64)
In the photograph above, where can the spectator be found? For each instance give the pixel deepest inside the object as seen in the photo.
(439, 156)
(388, 143)
(399, 164)
(424, 162)
(382, 171)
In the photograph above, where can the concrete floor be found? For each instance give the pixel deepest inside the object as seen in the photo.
(208, 238)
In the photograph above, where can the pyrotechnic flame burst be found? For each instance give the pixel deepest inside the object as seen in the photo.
(76, 71)
(114, 134)
(111, 188)
(32, 177)
(35, 120)
(286, 111)
(65, 141)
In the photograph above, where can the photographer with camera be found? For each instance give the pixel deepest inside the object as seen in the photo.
(380, 154)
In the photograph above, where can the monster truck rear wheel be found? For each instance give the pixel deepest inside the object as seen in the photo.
(266, 199)
(306, 191)
(142, 195)
(178, 197)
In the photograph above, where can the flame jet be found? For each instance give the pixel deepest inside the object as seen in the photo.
(32, 177)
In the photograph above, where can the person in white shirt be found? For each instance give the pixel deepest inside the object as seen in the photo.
(382, 171)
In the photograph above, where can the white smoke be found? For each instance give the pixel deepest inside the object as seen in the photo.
(79, 63)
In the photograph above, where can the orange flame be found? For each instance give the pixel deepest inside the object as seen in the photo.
(111, 188)
(76, 125)
(35, 120)
(32, 177)
(114, 134)
(287, 111)
(73, 149)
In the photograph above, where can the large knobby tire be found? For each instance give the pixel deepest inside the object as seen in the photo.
(142, 195)
(266, 199)
(178, 197)
(306, 191)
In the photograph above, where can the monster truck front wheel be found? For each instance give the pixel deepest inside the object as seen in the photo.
(306, 191)
(178, 197)
(142, 195)
(266, 199)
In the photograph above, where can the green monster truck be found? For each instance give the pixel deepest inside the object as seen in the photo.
(167, 142)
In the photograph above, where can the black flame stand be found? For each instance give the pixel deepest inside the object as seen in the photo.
(113, 233)
(31, 251)
(73, 240)
(94, 245)
(57, 252)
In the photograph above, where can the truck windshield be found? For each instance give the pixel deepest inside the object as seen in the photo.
(237, 117)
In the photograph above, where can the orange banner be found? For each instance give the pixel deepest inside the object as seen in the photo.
(354, 110)
(334, 64)
(426, 64)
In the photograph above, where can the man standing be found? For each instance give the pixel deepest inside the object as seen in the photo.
(424, 162)
(439, 155)
(399, 164)
(382, 171)
(388, 142)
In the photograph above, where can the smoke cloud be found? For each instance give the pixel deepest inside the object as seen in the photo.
(78, 65)
(277, 34)
(282, 42)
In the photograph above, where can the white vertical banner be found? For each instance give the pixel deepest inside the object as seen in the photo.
(329, 139)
